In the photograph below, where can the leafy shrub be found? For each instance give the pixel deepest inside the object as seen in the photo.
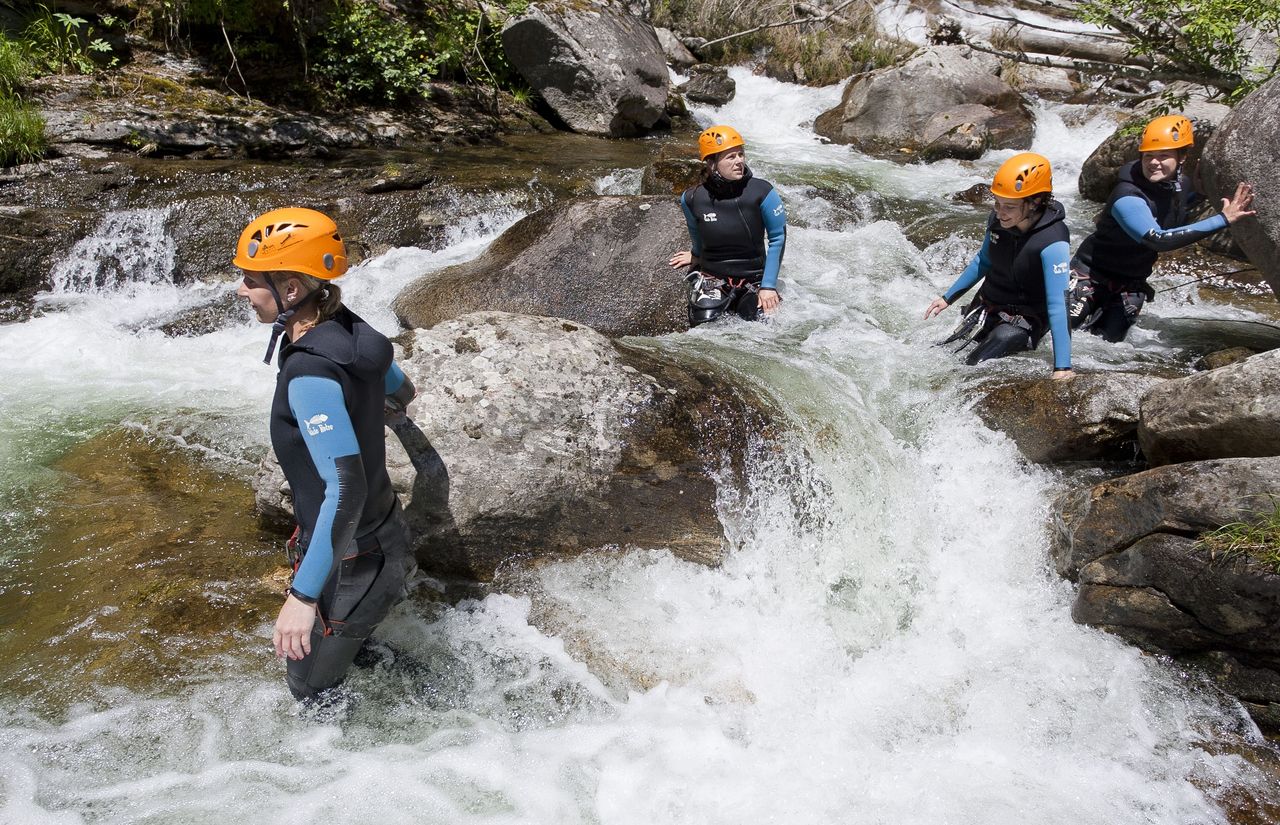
(1258, 538)
(365, 55)
(59, 42)
(21, 132)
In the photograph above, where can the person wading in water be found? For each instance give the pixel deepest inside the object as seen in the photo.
(351, 549)
(738, 230)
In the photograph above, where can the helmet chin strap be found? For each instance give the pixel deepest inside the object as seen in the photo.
(284, 314)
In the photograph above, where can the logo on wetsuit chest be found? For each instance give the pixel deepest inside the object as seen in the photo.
(709, 217)
(316, 424)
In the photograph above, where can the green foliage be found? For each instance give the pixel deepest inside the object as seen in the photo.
(15, 66)
(21, 132)
(58, 42)
(363, 54)
(1202, 39)
(1259, 539)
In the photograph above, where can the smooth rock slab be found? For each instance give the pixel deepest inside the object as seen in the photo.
(599, 261)
(1094, 415)
(1227, 412)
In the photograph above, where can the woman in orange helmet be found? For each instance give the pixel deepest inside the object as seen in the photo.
(738, 230)
(336, 382)
(1145, 215)
(1023, 268)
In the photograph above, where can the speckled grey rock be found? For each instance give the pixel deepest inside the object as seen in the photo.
(535, 436)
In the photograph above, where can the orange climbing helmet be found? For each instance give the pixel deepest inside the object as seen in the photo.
(1167, 132)
(292, 239)
(718, 139)
(1023, 175)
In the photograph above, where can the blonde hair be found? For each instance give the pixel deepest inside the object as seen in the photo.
(327, 304)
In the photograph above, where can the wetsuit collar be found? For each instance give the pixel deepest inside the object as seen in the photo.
(284, 314)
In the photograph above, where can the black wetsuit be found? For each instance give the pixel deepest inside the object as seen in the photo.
(1111, 267)
(327, 431)
(738, 231)
(1023, 292)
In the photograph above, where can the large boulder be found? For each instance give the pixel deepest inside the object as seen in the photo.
(535, 436)
(600, 68)
(1178, 498)
(1095, 415)
(1244, 148)
(710, 84)
(1223, 413)
(600, 261)
(942, 101)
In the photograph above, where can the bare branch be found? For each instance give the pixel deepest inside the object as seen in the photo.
(235, 63)
(1103, 67)
(794, 22)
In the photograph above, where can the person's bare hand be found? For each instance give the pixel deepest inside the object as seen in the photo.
(769, 300)
(682, 258)
(936, 307)
(292, 636)
(1237, 206)
(1064, 375)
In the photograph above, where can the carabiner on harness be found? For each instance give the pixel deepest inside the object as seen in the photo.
(970, 323)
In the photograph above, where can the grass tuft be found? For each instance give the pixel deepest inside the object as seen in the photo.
(1258, 539)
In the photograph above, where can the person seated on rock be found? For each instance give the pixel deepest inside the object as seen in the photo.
(336, 381)
(1023, 266)
(738, 229)
(1145, 215)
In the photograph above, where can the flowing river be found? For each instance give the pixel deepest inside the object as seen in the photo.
(888, 646)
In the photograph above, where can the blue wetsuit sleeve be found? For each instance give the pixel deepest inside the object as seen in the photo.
(775, 228)
(974, 272)
(321, 411)
(695, 240)
(1135, 218)
(1055, 261)
(393, 380)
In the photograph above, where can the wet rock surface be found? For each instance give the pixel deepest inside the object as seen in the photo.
(536, 436)
(599, 261)
(1092, 416)
(1223, 413)
(600, 67)
(1245, 148)
(888, 110)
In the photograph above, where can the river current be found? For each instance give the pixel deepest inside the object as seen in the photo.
(890, 646)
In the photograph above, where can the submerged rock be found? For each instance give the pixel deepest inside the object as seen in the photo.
(888, 110)
(148, 570)
(536, 436)
(599, 67)
(597, 261)
(1094, 415)
(670, 176)
(1223, 413)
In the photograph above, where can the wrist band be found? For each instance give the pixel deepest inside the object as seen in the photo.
(300, 596)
